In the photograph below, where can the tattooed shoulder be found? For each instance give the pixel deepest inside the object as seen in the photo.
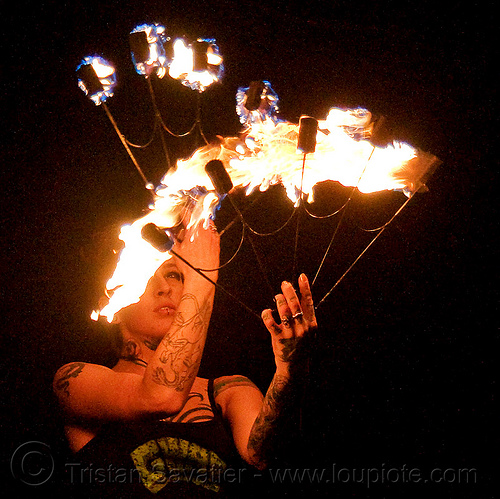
(64, 374)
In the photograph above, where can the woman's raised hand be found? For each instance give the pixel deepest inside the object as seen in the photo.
(297, 317)
(200, 247)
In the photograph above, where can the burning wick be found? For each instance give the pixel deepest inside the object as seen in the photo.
(157, 237)
(219, 177)
(306, 143)
(223, 185)
(308, 129)
(254, 95)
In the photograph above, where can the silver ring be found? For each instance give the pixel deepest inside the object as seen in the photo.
(297, 315)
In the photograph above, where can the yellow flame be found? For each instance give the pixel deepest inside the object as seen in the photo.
(266, 155)
(182, 65)
(213, 58)
(182, 62)
(102, 70)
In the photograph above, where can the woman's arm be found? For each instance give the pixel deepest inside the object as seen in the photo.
(254, 418)
(178, 356)
(90, 391)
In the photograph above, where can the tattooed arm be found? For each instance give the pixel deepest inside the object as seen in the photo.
(178, 356)
(254, 419)
(91, 392)
(94, 392)
(297, 317)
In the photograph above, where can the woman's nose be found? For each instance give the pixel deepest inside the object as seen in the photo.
(164, 287)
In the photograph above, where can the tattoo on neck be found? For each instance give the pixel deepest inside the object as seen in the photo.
(130, 350)
(152, 344)
(139, 362)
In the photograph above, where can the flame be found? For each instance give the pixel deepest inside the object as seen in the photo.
(182, 65)
(267, 110)
(264, 155)
(139, 260)
(107, 77)
(102, 69)
(213, 58)
(182, 62)
(157, 61)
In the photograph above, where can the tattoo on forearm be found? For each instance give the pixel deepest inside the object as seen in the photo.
(181, 349)
(67, 372)
(265, 421)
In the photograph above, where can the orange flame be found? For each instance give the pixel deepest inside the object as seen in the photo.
(265, 155)
(182, 66)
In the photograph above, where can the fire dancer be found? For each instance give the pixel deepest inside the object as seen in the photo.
(150, 422)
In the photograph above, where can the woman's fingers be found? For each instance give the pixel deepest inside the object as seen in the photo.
(306, 301)
(296, 316)
(201, 246)
(291, 298)
(270, 323)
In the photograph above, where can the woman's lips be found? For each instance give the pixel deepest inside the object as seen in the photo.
(165, 310)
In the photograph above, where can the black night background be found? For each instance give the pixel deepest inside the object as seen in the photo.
(401, 371)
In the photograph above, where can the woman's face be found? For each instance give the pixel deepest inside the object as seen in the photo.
(153, 315)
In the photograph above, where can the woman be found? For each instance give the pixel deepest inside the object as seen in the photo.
(151, 414)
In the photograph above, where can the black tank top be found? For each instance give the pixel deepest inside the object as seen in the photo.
(148, 458)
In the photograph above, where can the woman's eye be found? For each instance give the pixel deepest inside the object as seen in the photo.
(174, 275)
